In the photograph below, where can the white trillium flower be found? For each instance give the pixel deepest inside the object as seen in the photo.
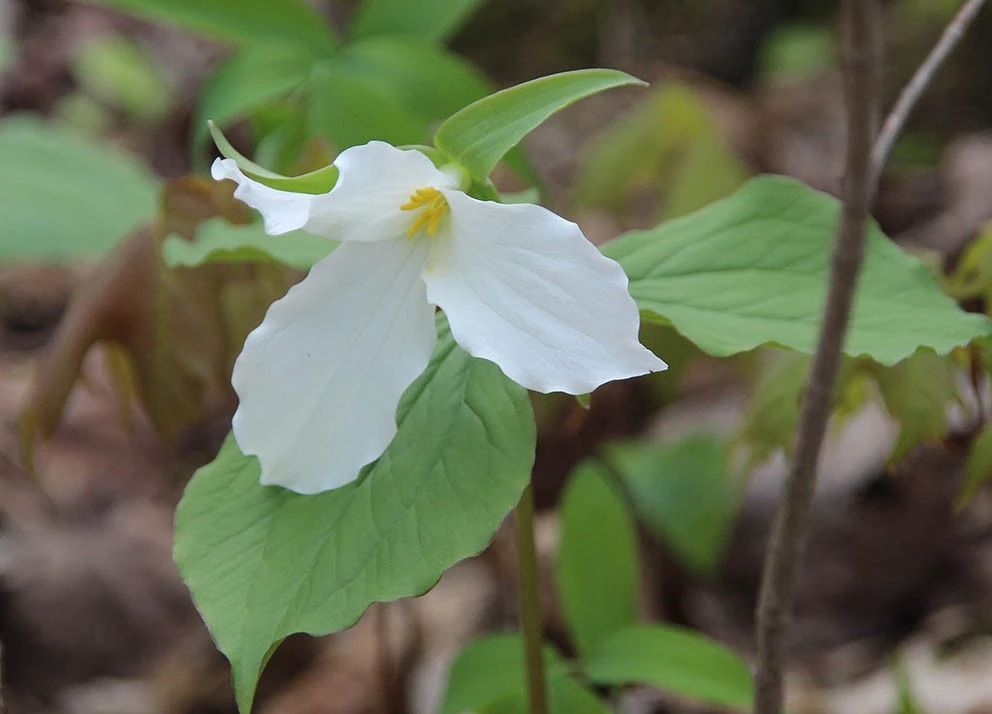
(320, 379)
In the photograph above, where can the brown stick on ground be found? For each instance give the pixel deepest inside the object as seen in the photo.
(787, 543)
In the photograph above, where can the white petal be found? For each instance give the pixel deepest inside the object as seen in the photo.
(375, 180)
(523, 287)
(282, 211)
(320, 378)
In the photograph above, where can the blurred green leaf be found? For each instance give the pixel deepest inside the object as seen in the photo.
(423, 19)
(908, 702)
(772, 409)
(64, 197)
(972, 278)
(8, 53)
(428, 79)
(118, 72)
(674, 660)
(670, 147)
(264, 562)
(82, 115)
(489, 677)
(978, 468)
(479, 135)
(282, 139)
(319, 181)
(220, 241)
(918, 392)
(597, 569)
(752, 269)
(290, 21)
(251, 77)
(682, 491)
(350, 107)
(796, 52)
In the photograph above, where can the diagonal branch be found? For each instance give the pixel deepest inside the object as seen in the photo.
(895, 122)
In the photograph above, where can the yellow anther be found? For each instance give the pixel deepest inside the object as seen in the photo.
(434, 207)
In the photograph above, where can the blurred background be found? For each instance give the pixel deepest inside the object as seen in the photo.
(114, 360)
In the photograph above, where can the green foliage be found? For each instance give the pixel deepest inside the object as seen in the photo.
(350, 107)
(597, 568)
(683, 493)
(430, 81)
(240, 21)
(8, 53)
(978, 468)
(218, 240)
(489, 677)
(752, 269)
(248, 80)
(479, 135)
(917, 392)
(668, 148)
(118, 72)
(973, 276)
(63, 197)
(393, 82)
(797, 52)
(263, 562)
(772, 410)
(426, 19)
(674, 660)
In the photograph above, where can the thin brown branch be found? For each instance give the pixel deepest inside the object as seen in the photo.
(895, 122)
(861, 31)
(864, 164)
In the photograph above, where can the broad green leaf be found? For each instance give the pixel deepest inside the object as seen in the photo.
(251, 77)
(424, 19)
(978, 468)
(674, 660)
(479, 135)
(351, 107)
(218, 240)
(263, 562)
(239, 20)
(428, 79)
(597, 568)
(319, 181)
(65, 197)
(669, 149)
(120, 73)
(682, 491)
(918, 392)
(489, 677)
(752, 269)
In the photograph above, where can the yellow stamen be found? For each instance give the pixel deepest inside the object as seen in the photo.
(434, 207)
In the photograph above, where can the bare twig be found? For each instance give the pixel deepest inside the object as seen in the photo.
(864, 165)
(861, 25)
(911, 93)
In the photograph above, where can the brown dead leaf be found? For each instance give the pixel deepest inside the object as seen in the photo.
(172, 334)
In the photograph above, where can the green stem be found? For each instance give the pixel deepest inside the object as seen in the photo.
(530, 604)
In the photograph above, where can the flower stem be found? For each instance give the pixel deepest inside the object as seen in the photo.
(530, 604)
